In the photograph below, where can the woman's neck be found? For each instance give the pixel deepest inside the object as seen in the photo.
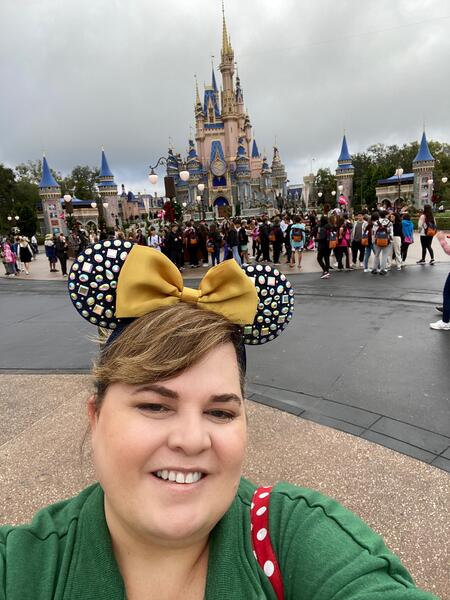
(151, 570)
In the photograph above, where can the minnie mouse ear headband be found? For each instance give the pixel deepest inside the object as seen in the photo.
(114, 281)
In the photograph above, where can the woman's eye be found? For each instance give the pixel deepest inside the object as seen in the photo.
(223, 415)
(152, 407)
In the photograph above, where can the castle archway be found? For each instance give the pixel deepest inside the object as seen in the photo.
(221, 203)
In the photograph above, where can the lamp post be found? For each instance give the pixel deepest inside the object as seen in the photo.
(68, 208)
(201, 189)
(320, 194)
(398, 173)
(162, 160)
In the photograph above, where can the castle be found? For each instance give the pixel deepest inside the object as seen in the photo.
(225, 157)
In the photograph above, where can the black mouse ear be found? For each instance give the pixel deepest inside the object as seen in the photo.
(93, 281)
(276, 304)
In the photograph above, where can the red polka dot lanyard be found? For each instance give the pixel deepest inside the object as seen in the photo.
(262, 546)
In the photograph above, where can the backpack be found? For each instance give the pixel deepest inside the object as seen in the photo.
(297, 234)
(332, 238)
(365, 240)
(430, 229)
(382, 236)
(272, 236)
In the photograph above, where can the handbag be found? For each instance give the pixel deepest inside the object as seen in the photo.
(408, 240)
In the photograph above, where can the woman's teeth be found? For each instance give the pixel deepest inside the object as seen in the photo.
(179, 477)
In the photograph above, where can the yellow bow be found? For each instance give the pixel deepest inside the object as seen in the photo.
(148, 280)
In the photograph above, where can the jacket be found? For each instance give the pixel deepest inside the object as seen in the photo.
(323, 550)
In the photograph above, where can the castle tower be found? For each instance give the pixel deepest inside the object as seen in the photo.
(194, 167)
(345, 172)
(279, 175)
(50, 194)
(228, 94)
(423, 166)
(243, 177)
(108, 194)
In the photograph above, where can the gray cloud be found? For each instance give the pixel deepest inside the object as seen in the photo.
(81, 74)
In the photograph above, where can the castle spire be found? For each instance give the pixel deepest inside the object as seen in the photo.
(47, 179)
(424, 153)
(225, 38)
(105, 171)
(197, 95)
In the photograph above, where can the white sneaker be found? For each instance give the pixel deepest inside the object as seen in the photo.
(440, 325)
(361, 265)
(366, 270)
(399, 268)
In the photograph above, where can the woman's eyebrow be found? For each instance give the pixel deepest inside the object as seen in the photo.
(230, 397)
(158, 389)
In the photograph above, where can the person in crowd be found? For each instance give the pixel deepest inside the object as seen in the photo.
(174, 246)
(26, 253)
(367, 240)
(264, 233)
(356, 240)
(287, 238)
(382, 242)
(16, 249)
(154, 240)
(50, 252)
(73, 244)
(233, 242)
(343, 247)
(256, 240)
(61, 250)
(298, 238)
(171, 515)
(243, 242)
(202, 233)
(444, 323)
(214, 243)
(397, 233)
(34, 245)
(427, 230)
(323, 249)
(278, 238)
(407, 235)
(140, 237)
(9, 258)
(191, 244)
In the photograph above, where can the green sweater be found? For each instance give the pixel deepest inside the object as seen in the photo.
(324, 551)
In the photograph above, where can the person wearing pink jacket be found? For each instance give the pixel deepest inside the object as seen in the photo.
(444, 323)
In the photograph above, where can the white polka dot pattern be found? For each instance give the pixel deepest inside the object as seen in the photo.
(262, 546)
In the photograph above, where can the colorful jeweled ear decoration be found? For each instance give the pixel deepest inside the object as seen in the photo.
(150, 281)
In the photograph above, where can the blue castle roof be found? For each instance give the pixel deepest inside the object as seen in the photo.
(255, 151)
(345, 154)
(213, 80)
(47, 179)
(210, 94)
(105, 171)
(216, 149)
(405, 178)
(424, 153)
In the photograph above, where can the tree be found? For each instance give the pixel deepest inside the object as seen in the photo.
(324, 182)
(6, 197)
(28, 221)
(81, 183)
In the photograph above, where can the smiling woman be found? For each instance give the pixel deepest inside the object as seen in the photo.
(171, 516)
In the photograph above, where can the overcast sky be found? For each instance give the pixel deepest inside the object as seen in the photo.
(76, 75)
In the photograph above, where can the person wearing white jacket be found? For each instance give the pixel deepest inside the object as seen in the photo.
(382, 235)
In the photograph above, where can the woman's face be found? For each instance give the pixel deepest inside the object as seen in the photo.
(190, 427)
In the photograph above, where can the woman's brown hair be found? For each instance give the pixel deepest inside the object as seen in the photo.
(163, 344)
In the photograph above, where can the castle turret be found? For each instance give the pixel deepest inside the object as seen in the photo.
(345, 172)
(279, 175)
(108, 194)
(50, 194)
(423, 166)
(228, 94)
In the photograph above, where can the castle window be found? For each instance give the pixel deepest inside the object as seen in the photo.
(211, 115)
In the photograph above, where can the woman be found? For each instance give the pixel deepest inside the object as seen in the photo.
(62, 252)
(243, 242)
(26, 253)
(9, 258)
(154, 240)
(444, 323)
(233, 242)
(407, 235)
(323, 250)
(343, 247)
(214, 244)
(397, 233)
(171, 516)
(50, 252)
(298, 237)
(382, 243)
(427, 230)
(277, 236)
(368, 241)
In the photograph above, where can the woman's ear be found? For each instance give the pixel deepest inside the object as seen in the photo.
(92, 411)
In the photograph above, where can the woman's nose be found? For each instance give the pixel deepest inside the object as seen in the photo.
(190, 435)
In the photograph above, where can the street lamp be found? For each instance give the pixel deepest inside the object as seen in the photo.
(444, 179)
(201, 189)
(398, 173)
(153, 177)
